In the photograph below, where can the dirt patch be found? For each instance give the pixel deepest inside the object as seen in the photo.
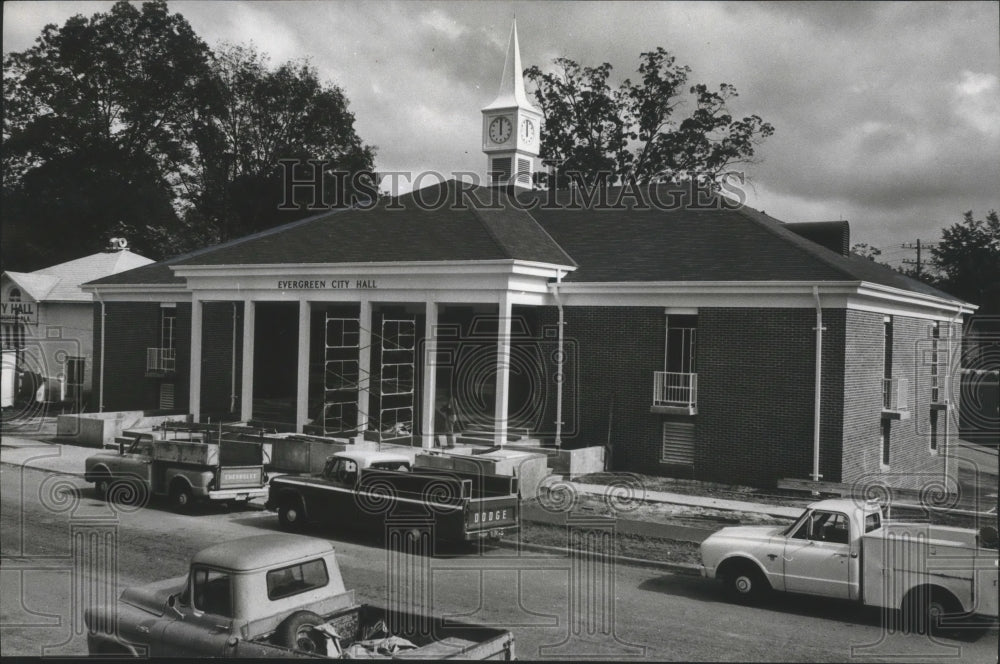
(632, 546)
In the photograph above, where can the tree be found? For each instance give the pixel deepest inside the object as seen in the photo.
(968, 257)
(93, 129)
(126, 123)
(866, 250)
(635, 130)
(255, 116)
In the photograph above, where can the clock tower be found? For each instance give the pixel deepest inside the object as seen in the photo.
(511, 126)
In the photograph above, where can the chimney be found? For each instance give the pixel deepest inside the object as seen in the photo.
(834, 235)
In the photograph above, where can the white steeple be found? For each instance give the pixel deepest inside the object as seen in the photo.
(512, 81)
(511, 125)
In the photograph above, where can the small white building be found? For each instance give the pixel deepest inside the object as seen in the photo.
(48, 328)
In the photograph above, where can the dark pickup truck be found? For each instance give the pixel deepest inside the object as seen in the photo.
(366, 488)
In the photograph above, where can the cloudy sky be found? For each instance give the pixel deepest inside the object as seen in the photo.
(886, 114)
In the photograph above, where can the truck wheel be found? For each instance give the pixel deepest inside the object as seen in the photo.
(746, 584)
(923, 609)
(101, 486)
(181, 498)
(290, 515)
(296, 632)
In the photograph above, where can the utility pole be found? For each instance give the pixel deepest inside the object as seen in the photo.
(919, 261)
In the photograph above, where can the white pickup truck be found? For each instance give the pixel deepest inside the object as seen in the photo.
(845, 549)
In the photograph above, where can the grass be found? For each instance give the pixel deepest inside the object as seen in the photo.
(632, 546)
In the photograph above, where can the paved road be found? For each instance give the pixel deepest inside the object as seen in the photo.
(643, 614)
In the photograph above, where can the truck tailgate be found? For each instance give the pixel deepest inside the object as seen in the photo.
(485, 514)
(238, 477)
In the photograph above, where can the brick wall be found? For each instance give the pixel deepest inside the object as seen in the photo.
(132, 327)
(608, 389)
(911, 462)
(756, 387)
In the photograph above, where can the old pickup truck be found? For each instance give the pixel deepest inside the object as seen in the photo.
(364, 488)
(935, 575)
(183, 471)
(275, 596)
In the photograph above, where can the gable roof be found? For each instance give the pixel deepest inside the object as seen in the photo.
(61, 282)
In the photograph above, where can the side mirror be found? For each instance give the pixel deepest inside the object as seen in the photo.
(172, 604)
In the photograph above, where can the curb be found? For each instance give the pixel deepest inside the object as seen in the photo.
(43, 470)
(689, 569)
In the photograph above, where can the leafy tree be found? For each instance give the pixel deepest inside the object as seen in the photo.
(93, 130)
(256, 116)
(637, 129)
(968, 257)
(866, 250)
(125, 123)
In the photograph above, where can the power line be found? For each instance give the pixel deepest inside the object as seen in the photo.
(919, 246)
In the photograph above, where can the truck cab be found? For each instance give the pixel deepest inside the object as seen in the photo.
(343, 467)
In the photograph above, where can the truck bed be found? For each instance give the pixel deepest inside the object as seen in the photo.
(435, 638)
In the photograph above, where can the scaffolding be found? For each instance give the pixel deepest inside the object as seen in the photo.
(396, 379)
(341, 374)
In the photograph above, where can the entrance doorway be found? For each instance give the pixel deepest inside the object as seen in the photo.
(276, 329)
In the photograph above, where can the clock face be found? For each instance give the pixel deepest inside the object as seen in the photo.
(500, 130)
(527, 130)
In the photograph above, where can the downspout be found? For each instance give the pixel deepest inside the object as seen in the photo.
(560, 360)
(104, 324)
(819, 382)
(232, 382)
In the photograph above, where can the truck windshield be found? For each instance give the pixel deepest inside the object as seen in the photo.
(213, 592)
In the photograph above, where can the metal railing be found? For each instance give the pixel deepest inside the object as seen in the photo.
(895, 393)
(161, 360)
(675, 389)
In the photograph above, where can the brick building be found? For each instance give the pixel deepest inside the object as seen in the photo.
(698, 338)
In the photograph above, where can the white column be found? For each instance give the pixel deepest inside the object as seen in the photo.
(302, 375)
(246, 388)
(194, 392)
(503, 369)
(429, 390)
(364, 364)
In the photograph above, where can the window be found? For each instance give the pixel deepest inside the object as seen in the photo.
(935, 378)
(824, 527)
(681, 342)
(295, 579)
(342, 470)
(887, 348)
(213, 592)
(934, 430)
(885, 437)
(873, 521)
(75, 367)
(168, 327)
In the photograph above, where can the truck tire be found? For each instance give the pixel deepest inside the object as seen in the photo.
(102, 482)
(296, 632)
(745, 583)
(291, 516)
(923, 607)
(181, 498)
(129, 495)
